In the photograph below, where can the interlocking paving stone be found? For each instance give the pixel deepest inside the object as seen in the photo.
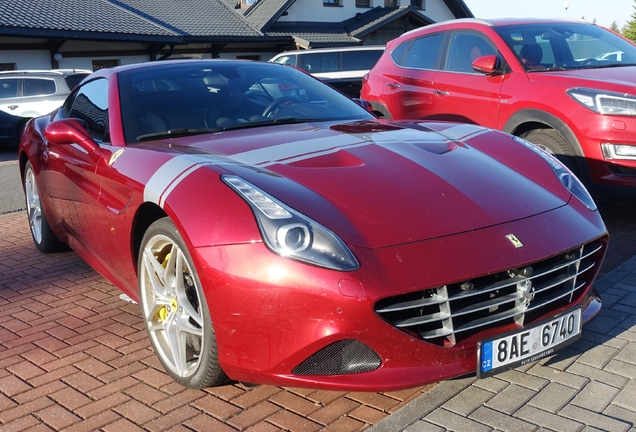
(626, 398)
(553, 397)
(598, 375)
(510, 399)
(548, 420)
(468, 400)
(594, 419)
(501, 421)
(595, 396)
(456, 422)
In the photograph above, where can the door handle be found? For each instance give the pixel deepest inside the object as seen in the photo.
(440, 92)
(393, 85)
(12, 107)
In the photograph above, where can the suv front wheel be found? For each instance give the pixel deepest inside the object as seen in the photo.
(552, 141)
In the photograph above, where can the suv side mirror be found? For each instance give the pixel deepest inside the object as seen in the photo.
(70, 131)
(488, 64)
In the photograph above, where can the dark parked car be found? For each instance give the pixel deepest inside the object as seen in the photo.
(274, 231)
(28, 94)
(568, 86)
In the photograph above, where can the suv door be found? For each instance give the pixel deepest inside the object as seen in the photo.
(408, 86)
(39, 97)
(459, 92)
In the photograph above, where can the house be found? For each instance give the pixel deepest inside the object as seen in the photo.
(91, 34)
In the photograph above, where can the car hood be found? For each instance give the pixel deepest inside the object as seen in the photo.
(610, 78)
(377, 184)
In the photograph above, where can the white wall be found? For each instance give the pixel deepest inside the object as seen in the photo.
(313, 10)
(27, 59)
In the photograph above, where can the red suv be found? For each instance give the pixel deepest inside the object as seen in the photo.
(567, 86)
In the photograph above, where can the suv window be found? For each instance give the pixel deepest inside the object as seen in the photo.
(320, 62)
(464, 48)
(90, 103)
(38, 87)
(73, 80)
(424, 52)
(360, 60)
(286, 59)
(9, 88)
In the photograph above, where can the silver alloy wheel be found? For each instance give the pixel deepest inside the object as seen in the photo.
(171, 305)
(34, 207)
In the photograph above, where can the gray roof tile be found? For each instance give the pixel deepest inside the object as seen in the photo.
(263, 13)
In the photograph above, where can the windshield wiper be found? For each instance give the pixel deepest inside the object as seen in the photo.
(278, 121)
(174, 133)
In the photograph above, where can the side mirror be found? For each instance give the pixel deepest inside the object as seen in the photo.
(488, 64)
(70, 131)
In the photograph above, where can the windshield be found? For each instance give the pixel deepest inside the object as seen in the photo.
(208, 96)
(559, 46)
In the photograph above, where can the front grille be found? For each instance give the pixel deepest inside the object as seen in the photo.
(446, 315)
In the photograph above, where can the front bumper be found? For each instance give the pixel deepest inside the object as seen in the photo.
(271, 314)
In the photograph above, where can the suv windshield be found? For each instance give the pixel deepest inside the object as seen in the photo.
(559, 46)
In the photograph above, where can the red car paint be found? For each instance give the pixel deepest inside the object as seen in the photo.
(516, 98)
(419, 205)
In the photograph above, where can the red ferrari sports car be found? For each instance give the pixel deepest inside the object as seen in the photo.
(274, 231)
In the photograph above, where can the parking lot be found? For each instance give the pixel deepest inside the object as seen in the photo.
(74, 356)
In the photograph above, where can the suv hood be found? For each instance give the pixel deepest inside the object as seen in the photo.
(379, 184)
(609, 78)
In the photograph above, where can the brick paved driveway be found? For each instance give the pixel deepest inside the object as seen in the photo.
(73, 356)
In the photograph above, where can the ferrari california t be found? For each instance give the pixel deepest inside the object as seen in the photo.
(274, 231)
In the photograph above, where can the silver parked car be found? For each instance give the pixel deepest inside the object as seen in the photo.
(28, 94)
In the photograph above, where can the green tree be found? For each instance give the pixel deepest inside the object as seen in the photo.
(614, 27)
(629, 31)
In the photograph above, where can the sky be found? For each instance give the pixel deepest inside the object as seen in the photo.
(604, 11)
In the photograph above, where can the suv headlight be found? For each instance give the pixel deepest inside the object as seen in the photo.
(565, 176)
(604, 102)
(291, 234)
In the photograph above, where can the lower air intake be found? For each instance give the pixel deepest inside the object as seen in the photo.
(343, 357)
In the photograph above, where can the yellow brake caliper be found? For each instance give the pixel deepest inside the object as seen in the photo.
(162, 314)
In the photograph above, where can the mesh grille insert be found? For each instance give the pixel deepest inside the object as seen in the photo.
(343, 357)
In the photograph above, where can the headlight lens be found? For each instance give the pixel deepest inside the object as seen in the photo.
(604, 102)
(290, 233)
(565, 176)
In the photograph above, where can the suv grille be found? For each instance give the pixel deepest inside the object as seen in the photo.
(448, 314)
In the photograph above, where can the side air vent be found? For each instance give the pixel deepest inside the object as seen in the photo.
(340, 358)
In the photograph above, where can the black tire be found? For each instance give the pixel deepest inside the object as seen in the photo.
(552, 141)
(175, 310)
(44, 238)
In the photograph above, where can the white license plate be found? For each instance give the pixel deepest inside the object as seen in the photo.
(527, 345)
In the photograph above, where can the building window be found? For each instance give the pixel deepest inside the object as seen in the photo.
(247, 3)
(363, 3)
(390, 3)
(418, 4)
(331, 2)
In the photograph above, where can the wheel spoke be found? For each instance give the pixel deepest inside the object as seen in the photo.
(156, 273)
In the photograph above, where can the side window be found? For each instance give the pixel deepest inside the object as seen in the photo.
(9, 88)
(320, 62)
(464, 48)
(286, 59)
(38, 87)
(360, 60)
(90, 103)
(424, 52)
(398, 52)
